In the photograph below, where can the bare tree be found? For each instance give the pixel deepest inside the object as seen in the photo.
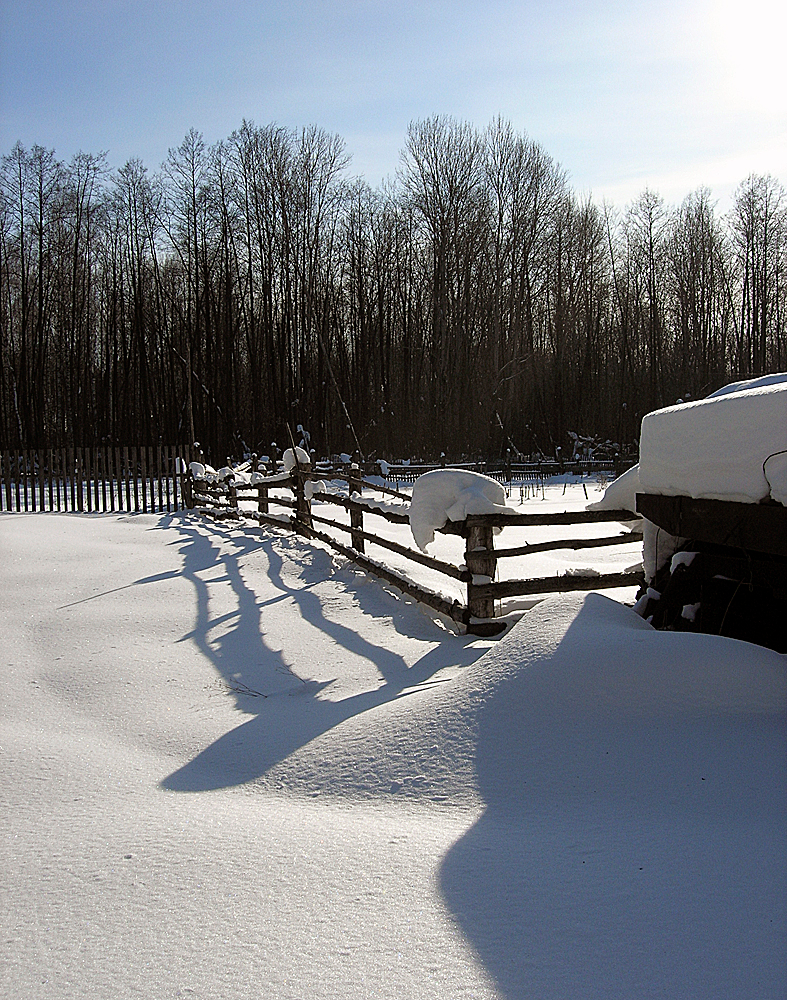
(759, 230)
(699, 294)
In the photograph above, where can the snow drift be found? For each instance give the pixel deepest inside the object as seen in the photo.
(236, 767)
(634, 831)
(621, 494)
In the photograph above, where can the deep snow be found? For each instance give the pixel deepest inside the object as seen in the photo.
(233, 766)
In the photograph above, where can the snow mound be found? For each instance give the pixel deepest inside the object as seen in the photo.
(589, 702)
(451, 495)
(621, 494)
(572, 689)
(202, 472)
(311, 487)
(724, 447)
(238, 477)
(634, 783)
(292, 458)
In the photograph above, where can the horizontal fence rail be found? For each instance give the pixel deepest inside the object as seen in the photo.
(513, 472)
(93, 480)
(222, 500)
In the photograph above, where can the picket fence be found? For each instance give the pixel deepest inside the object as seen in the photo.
(94, 480)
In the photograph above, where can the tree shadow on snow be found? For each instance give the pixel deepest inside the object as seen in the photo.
(287, 712)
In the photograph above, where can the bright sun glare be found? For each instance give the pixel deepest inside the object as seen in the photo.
(747, 45)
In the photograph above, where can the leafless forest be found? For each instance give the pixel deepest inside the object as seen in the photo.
(473, 303)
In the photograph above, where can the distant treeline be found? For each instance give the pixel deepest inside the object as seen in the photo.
(471, 304)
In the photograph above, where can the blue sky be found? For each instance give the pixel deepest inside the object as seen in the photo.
(669, 94)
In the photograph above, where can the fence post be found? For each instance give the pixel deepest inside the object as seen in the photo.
(186, 486)
(355, 485)
(80, 482)
(262, 499)
(24, 476)
(303, 508)
(39, 460)
(87, 475)
(159, 467)
(481, 561)
(262, 491)
(63, 475)
(135, 477)
(170, 470)
(7, 479)
(51, 481)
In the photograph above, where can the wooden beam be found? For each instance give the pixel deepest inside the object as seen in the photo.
(448, 569)
(535, 520)
(556, 585)
(571, 543)
(456, 611)
(757, 527)
(368, 508)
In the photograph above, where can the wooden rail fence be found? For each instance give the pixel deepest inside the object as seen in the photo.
(93, 480)
(516, 471)
(222, 499)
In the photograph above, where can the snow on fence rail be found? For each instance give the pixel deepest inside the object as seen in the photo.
(88, 480)
(221, 498)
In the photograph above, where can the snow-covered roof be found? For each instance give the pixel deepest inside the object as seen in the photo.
(752, 383)
(730, 446)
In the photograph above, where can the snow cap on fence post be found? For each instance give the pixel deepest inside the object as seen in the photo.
(293, 458)
(452, 495)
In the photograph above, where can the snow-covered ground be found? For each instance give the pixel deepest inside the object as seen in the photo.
(234, 766)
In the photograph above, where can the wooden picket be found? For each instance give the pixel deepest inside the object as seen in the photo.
(93, 480)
